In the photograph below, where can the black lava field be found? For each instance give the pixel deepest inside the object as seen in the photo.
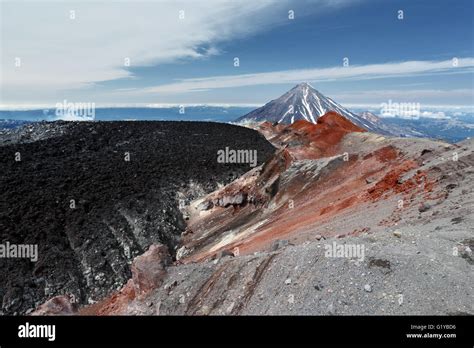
(97, 194)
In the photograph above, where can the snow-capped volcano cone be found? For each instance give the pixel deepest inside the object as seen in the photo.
(303, 102)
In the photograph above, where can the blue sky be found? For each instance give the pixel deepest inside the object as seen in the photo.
(190, 60)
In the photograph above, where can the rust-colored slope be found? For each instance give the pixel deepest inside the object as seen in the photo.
(307, 140)
(314, 179)
(322, 178)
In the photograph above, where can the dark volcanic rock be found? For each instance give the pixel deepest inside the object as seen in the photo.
(33, 131)
(90, 211)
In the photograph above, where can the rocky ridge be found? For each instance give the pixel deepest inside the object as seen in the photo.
(259, 244)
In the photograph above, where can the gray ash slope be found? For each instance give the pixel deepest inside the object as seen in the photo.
(120, 207)
(420, 264)
(303, 102)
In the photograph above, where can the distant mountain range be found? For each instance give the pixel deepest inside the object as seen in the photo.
(453, 129)
(384, 127)
(10, 124)
(307, 104)
(303, 102)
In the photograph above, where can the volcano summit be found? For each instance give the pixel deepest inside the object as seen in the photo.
(303, 102)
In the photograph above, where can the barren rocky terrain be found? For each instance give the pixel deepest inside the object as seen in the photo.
(93, 195)
(258, 243)
(246, 250)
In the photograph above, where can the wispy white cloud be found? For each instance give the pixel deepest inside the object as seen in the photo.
(406, 94)
(356, 72)
(58, 53)
(446, 108)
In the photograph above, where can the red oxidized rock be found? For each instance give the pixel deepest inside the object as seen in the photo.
(149, 269)
(59, 305)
